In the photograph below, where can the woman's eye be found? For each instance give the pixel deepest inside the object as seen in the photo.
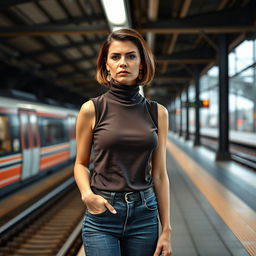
(114, 57)
(132, 56)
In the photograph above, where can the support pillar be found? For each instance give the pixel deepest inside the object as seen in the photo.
(180, 131)
(174, 122)
(174, 116)
(187, 114)
(197, 141)
(254, 90)
(223, 139)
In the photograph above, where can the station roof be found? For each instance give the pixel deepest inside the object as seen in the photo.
(49, 47)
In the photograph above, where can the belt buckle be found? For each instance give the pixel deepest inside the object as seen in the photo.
(126, 197)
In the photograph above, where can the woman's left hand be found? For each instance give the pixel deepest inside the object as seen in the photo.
(163, 247)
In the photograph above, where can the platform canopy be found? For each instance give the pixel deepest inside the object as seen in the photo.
(49, 47)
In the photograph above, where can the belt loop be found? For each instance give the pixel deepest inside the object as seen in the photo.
(142, 196)
(112, 197)
(148, 192)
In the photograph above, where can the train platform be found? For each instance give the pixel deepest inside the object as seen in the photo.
(248, 139)
(212, 203)
(11, 205)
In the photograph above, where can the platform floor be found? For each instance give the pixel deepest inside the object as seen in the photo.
(212, 203)
(212, 207)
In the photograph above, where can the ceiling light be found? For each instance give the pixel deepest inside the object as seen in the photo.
(114, 28)
(116, 12)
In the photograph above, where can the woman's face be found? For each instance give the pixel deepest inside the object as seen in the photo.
(123, 62)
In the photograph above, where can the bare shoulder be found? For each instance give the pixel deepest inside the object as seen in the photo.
(88, 109)
(162, 111)
(86, 116)
(163, 120)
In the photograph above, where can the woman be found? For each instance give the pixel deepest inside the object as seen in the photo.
(128, 186)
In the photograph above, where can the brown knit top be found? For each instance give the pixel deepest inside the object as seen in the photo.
(124, 138)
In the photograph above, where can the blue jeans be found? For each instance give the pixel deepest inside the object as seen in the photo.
(133, 231)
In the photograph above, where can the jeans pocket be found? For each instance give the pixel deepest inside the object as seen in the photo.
(150, 203)
(98, 214)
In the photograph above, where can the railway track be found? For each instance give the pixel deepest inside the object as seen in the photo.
(245, 155)
(239, 153)
(49, 227)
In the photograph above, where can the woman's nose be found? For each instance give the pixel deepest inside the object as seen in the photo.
(123, 62)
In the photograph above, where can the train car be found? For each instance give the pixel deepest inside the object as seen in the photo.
(34, 138)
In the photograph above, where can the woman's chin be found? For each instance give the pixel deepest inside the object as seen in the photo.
(124, 80)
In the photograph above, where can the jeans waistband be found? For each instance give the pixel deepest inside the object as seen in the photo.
(127, 197)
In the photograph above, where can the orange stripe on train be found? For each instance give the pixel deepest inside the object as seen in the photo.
(51, 115)
(10, 181)
(53, 157)
(53, 148)
(10, 172)
(52, 163)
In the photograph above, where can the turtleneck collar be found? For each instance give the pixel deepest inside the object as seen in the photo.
(124, 93)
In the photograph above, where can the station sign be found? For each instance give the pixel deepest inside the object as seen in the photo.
(192, 104)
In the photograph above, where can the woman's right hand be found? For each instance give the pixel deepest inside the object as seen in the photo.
(96, 204)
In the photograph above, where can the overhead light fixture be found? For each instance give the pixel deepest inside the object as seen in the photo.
(116, 13)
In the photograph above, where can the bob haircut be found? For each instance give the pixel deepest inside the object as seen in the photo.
(146, 56)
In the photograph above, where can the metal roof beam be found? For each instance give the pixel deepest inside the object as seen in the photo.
(71, 75)
(172, 78)
(189, 56)
(73, 61)
(152, 16)
(161, 29)
(45, 30)
(156, 27)
(62, 47)
(4, 4)
(71, 79)
(164, 59)
(171, 45)
(225, 21)
(76, 20)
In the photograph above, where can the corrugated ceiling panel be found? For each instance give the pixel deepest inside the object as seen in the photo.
(32, 11)
(73, 8)
(49, 58)
(54, 9)
(26, 44)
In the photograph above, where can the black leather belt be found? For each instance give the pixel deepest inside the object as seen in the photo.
(124, 196)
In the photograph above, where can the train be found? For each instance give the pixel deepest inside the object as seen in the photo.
(34, 138)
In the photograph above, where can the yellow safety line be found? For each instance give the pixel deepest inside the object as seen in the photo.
(238, 216)
(81, 252)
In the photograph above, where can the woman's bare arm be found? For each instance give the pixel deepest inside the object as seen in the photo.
(161, 183)
(84, 126)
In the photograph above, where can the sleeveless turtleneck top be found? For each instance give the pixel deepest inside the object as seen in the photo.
(124, 139)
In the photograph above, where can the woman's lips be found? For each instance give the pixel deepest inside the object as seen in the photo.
(123, 73)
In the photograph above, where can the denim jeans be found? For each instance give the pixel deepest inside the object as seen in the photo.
(133, 231)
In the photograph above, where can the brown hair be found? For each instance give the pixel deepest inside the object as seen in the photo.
(147, 58)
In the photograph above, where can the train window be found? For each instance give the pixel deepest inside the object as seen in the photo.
(5, 140)
(53, 130)
(74, 127)
(15, 126)
(33, 122)
(24, 122)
